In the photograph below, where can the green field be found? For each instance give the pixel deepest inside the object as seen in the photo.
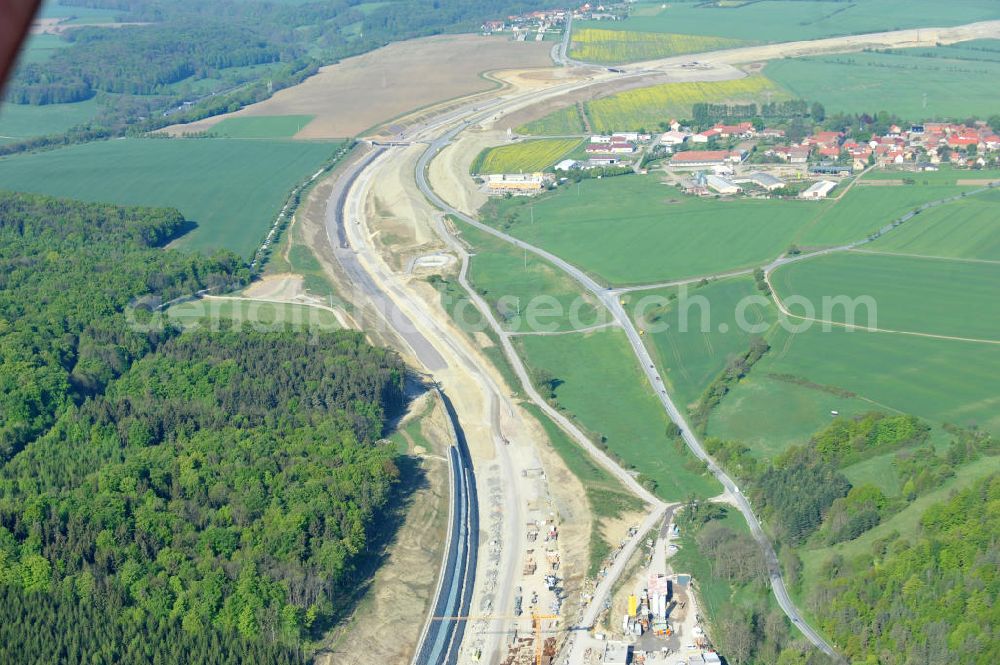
(788, 20)
(938, 297)
(612, 47)
(864, 210)
(938, 380)
(262, 127)
(916, 87)
(39, 48)
(635, 230)
(967, 229)
(770, 414)
(558, 123)
(22, 121)
(232, 189)
(302, 261)
(601, 385)
(695, 335)
(527, 294)
(252, 315)
(879, 471)
(77, 14)
(523, 157)
(647, 107)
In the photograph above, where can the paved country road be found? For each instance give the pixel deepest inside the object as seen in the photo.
(381, 289)
(612, 303)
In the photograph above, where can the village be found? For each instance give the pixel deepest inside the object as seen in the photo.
(744, 160)
(551, 21)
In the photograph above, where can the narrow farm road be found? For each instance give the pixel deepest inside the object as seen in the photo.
(612, 303)
(444, 352)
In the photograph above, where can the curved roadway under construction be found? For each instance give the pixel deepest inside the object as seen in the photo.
(443, 638)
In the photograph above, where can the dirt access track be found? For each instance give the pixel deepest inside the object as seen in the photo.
(360, 93)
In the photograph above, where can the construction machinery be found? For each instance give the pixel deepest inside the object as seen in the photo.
(536, 625)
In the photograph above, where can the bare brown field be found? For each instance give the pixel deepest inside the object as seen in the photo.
(359, 93)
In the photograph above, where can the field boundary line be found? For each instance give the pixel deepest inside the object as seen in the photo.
(545, 333)
(958, 259)
(683, 281)
(854, 326)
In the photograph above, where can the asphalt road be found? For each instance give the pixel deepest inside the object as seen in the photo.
(443, 638)
(430, 338)
(346, 255)
(612, 303)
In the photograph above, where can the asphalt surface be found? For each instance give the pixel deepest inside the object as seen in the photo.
(346, 256)
(443, 638)
(610, 300)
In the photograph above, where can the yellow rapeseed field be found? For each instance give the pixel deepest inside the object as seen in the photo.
(524, 157)
(647, 107)
(613, 47)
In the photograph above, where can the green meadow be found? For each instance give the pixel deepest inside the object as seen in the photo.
(790, 392)
(882, 471)
(770, 412)
(635, 230)
(966, 229)
(934, 83)
(39, 48)
(24, 121)
(600, 384)
(936, 297)
(865, 209)
(77, 14)
(232, 189)
(525, 292)
(788, 20)
(261, 127)
(696, 331)
(251, 315)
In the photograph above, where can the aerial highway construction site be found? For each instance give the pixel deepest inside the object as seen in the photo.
(513, 587)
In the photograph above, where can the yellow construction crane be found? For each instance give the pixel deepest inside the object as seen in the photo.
(536, 624)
